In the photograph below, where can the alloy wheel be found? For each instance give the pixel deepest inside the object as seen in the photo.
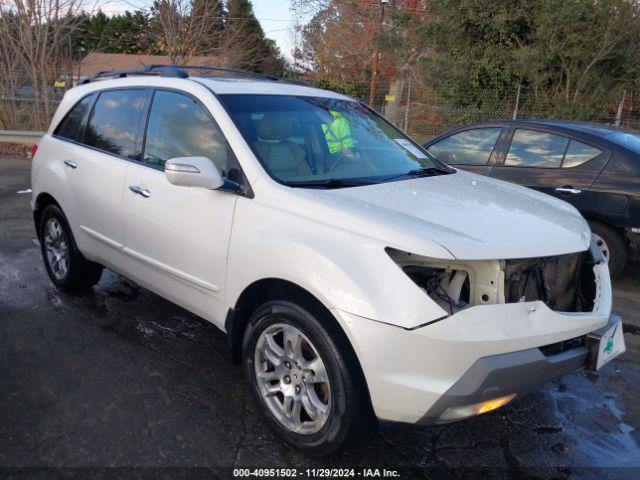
(56, 248)
(292, 379)
(602, 245)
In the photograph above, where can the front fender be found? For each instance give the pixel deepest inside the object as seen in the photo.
(343, 270)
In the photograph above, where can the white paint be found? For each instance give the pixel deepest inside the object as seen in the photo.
(202, 248)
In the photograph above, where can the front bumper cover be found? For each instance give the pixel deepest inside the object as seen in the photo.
(511, 373)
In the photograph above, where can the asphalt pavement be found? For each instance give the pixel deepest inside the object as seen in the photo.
(121, 382)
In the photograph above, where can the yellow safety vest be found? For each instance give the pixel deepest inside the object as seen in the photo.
(338, 134)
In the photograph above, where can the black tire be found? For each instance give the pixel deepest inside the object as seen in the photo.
(347, 408)
(615, 244)
(81, 274)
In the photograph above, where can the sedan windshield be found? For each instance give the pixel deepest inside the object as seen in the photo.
(320, 142)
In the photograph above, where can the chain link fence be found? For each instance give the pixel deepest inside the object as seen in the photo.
(414, 109)
(423, 114)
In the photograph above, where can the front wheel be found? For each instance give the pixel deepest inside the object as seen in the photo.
(300, 377)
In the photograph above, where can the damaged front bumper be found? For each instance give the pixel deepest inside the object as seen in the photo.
(496, 380)
(480, 352)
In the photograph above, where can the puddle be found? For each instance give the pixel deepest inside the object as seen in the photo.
(53, 298)
(123, 291)
(592, 418)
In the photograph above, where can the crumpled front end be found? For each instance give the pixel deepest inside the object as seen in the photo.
(505, 319)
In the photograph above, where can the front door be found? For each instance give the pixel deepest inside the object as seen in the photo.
(551, 163)
(177, 237)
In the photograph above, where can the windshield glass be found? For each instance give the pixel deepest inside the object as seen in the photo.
(324, 141)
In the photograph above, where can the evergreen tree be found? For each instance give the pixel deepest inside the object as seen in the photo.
(257, 52)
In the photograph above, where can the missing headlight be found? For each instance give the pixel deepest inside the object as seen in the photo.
(453, 284)
(449, 288)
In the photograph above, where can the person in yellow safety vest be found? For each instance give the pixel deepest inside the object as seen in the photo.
(338, 134)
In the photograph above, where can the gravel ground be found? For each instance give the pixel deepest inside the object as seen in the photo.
(123, 383)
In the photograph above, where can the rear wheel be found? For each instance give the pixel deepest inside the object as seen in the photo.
(300, 377)
(66, 266)
(612, 246)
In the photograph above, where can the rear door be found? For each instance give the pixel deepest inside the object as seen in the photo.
(96, 163)
(177, 237)
(553, 163)
(474, 150)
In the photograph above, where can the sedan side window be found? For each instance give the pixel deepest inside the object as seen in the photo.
(180, 127)
(471, 147)
(579, 153)
(113, 125)
(531, 148)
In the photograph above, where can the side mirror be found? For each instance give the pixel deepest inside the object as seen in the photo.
(197, 172)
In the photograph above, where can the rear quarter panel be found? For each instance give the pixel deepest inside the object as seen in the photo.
(615, 195)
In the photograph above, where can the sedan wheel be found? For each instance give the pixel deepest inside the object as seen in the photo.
(612, 245)
(603, 247)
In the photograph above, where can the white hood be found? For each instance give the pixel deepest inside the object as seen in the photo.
(471, 216)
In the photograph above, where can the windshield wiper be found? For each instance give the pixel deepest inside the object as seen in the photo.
(423, 172)
(330, 183)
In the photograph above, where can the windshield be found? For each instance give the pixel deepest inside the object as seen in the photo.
(313, 141)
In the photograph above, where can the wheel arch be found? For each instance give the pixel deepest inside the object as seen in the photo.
(263, 290)
(42, 200)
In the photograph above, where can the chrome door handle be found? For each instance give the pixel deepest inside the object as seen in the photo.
(140, 191)
(573, 191)
(71, 163)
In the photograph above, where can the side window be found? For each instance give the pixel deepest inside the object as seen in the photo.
(579, 153)
(471, 147)
(113, 125)
(531, 148)
(179, 126)
(72, 126)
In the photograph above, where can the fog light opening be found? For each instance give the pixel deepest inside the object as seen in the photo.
(466, 411)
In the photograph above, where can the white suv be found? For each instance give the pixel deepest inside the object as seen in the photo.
(355, 275)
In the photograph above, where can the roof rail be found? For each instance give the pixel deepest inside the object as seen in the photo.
(180, 71)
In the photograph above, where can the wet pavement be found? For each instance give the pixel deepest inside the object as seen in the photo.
(122, 378)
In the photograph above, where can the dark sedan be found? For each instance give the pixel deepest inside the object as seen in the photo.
(594, 167)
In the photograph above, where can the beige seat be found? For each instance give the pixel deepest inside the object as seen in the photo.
(284, 159)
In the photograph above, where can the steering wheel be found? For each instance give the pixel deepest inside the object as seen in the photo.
(356, 157)
(342, 158)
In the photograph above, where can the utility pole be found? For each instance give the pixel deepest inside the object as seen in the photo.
(515, 109)
(406, 110)
(376, 58)
(620, 109)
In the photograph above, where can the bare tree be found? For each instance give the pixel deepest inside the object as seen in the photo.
(188, 28)
(35, 50)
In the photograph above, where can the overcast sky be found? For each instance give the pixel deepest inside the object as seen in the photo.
(275, 16)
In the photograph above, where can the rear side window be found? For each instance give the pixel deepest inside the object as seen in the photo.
(179, 126)
(72, 125)
(113, 124)
(579, 153)
(471, 147)
(531, 148)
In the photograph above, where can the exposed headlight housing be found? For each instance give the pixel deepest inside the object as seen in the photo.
(564, 283)
(454, 284)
